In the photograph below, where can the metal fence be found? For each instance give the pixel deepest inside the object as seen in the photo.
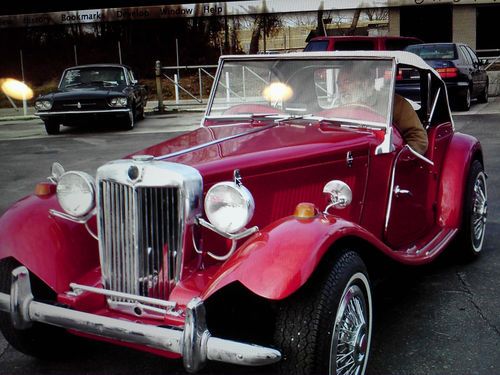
(491, 55)
(173, 75)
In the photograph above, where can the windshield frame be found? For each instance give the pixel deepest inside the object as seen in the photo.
(235, 59)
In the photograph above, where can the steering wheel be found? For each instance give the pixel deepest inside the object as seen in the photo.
(251, 108)
(360, 111)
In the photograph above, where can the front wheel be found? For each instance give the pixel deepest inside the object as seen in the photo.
(51, 127)
(475, 212)
(483, 98)
(325, 328)
(129, 121)
(40, 340)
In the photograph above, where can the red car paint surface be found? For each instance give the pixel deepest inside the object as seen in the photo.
(282, 163)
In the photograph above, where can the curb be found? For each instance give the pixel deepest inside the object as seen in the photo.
(148, 112)
(19, 118)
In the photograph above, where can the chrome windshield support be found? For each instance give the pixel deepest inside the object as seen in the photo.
(194, 341)
(386, 146)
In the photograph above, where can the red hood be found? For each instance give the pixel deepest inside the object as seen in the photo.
(220, 149)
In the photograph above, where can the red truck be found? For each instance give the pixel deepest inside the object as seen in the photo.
(364, 43)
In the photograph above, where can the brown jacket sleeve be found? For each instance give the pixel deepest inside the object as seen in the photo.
(406, 120)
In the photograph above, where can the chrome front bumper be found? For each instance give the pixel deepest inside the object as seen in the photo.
(83, 112)
(194, 343)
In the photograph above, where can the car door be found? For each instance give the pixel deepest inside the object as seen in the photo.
(473, 68)
(138, 90)
(410, 213)
(480, 75)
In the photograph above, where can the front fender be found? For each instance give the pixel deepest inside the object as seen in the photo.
(279, 259)
(463, 149)
(57, 251)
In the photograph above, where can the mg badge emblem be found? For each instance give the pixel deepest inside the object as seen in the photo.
(78, 105)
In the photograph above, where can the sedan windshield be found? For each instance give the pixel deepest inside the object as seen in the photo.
(357, 91)
(93, 76)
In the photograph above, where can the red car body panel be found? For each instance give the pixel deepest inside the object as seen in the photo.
(462, 150)
(55, 250)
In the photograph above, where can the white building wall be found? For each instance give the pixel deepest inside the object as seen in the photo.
(464, 25)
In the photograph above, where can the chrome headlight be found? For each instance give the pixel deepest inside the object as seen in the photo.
(229, 207)
(118, 102)
(76, 193)
(43, 105)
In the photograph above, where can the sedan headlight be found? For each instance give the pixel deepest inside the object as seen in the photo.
(229, 207)
(118, 102)
(43, 105)
(76, 193)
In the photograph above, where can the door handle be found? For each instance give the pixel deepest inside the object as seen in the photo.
(398, 191)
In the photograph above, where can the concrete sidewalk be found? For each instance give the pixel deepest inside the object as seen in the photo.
(9, 114)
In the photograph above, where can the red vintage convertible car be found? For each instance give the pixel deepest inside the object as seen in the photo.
(251, 240)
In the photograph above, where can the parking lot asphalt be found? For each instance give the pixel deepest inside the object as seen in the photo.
(438, 319)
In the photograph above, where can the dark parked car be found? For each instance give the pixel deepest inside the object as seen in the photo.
(460, 69)
(87, 92)
(360, 43)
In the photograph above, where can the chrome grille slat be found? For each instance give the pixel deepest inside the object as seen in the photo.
(137, 223)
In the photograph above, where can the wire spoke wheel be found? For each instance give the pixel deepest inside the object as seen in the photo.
(325, 328)
(351, 335)
(479, 211)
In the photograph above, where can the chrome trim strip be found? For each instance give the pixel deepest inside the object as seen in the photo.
(420, 156)
(428, 249)
(74, 219)
(434, 105)
(231, 236)
(391, 192)
(133, 297)
(211, 143)
(193, 342)
(121, 110)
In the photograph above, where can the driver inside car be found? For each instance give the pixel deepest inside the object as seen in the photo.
(356, 86)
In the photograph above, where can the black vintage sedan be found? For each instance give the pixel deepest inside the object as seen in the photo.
(460, 69)
(88, 92)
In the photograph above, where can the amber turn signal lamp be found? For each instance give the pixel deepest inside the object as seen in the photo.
(43, 189)
(305, 210)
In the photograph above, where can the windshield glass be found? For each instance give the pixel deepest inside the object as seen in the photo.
(94, 75)
(355, 90)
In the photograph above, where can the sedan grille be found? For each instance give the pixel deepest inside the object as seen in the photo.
(80, 104)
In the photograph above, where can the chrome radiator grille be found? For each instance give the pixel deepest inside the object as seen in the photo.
(140, 232)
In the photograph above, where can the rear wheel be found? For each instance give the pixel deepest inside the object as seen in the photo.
(475, 212)
(325, 328)
(40, 340)
(51, 127)
(465, 100)
(483, 98)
